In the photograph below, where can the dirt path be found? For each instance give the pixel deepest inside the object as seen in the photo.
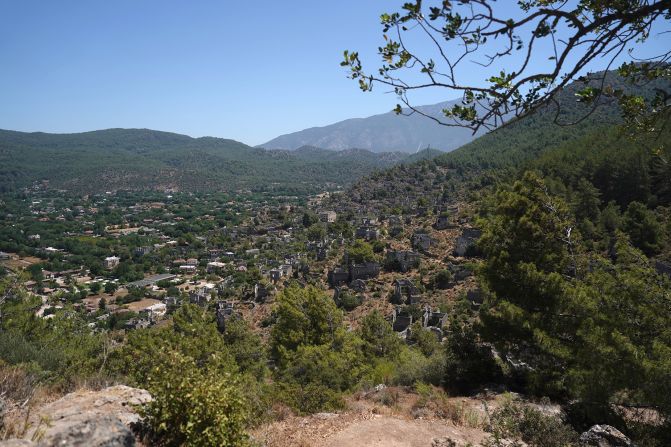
(385, 431)
(363, 429)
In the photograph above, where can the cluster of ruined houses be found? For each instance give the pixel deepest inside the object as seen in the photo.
(353, 272)
(405, 292)
(434, 321)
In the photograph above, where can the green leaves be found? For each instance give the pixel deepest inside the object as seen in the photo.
(476, 32)
(304, 316)
(588, 94)
(196, 406)
(378, 337)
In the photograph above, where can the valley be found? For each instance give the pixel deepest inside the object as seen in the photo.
(318, 297)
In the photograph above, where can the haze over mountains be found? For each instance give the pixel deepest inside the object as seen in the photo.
(387, 132)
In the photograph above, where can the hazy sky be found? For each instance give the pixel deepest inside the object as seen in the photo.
(247, 70)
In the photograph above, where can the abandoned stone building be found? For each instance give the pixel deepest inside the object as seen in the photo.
(367, 270)
(224, 312)
(338, 276)
(282, 272)
(401, 320)
(405, 292)
(137, 323)
(369, 221)
(141, 251)
(395, 221)
(445, 220)
(433, 321)
(321, 254)
(403, 260)
(475, 297)
(465, 243)
(358, 285)
(368, 233)
(421, 241)
(200, 296)
(260, 292)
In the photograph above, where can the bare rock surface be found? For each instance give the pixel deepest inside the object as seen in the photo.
(605, 436)
(86, 418)
(16, 443)
(98, 431)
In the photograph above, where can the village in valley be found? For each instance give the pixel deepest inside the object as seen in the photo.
(210, 237)
(128, 260)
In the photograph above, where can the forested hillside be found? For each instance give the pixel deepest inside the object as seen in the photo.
(140, 158)
(574, 258)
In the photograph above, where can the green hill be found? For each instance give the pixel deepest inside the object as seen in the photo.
(505, 152)
(146, 159)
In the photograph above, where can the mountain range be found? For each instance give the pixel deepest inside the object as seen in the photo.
(115, 159)
(137, 159)
(387, 132)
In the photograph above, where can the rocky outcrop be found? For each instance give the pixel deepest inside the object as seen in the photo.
(87, 418)
(605, 436)
(99, 431)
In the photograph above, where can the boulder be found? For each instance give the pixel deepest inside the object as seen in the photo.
(97, 431)
(86, 418)
(120, 401)
(605, 436)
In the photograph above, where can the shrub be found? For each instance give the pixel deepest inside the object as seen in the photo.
(303, 317)
(469, 363)
(514, 421)
(62, 350)
(443, 279)
(349, 301)
(246, 347)
(307, 398)
(378, 336)
(194, 406)
(425, 340)
(412, 367)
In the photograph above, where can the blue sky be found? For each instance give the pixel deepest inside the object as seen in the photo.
(247, 70)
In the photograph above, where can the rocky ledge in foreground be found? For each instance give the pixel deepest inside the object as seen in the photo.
(86, 418)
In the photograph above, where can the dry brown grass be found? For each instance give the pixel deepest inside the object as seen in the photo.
(20, 392)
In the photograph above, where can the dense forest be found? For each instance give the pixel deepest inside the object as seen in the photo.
(135, 159)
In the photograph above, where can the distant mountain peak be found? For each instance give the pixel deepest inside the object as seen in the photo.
(386, 132)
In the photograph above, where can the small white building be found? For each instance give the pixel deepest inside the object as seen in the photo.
(215, 266)
(188, 268)
(156, 310)
(111, 262)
